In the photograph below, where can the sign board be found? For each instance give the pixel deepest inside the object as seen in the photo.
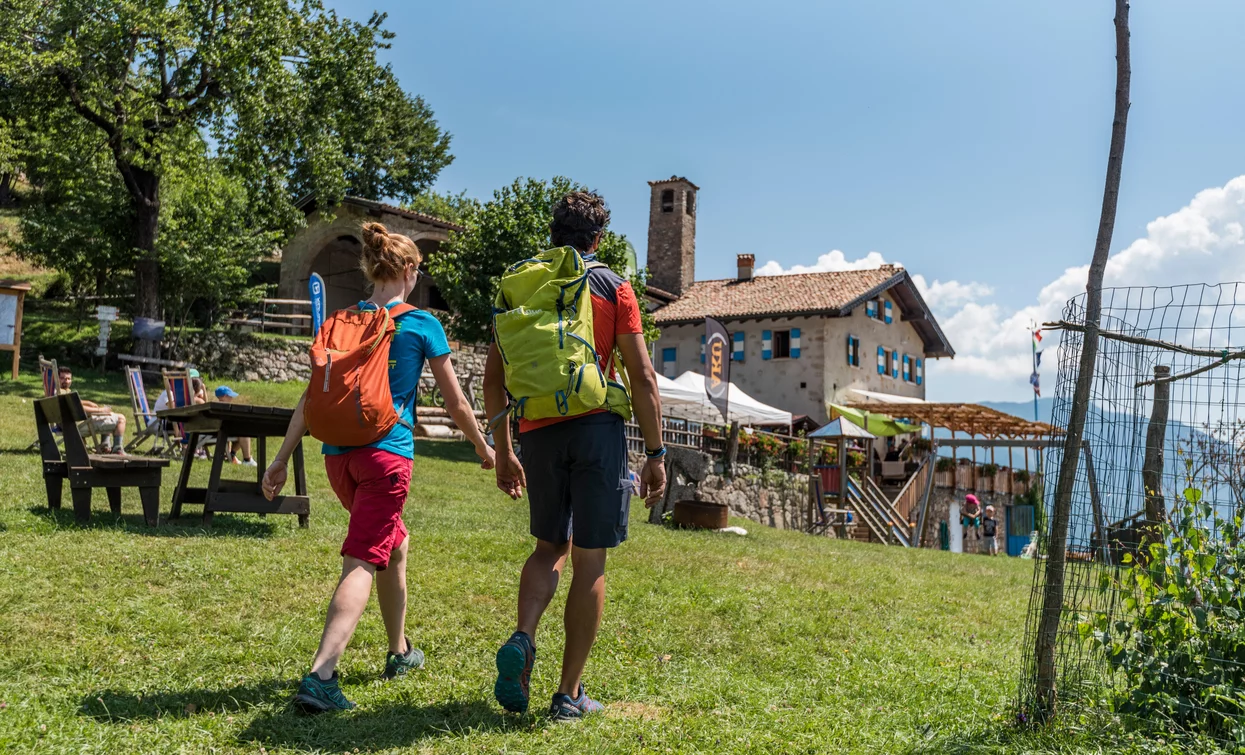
(717, 366)
(12, 297)
(104, 312)
(315, 286)
(8, 319)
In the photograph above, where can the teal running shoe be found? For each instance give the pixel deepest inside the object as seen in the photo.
(397, 665)
(514, 672)
(567, 708)
(318, 696)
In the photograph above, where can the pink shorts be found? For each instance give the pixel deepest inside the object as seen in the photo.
(372, 485)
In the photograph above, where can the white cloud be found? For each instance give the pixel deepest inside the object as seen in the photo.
(950, 293)
(830, 262)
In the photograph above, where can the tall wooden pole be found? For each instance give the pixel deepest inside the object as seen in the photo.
(1052, 599)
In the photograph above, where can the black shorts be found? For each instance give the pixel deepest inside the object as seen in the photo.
(577, 470)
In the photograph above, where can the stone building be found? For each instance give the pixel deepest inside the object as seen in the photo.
(799, 341)
(331, 248)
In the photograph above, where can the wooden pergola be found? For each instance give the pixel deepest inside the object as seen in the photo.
(973, 419)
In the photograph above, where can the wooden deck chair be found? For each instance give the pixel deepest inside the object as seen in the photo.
(148, 425)
(181, 393)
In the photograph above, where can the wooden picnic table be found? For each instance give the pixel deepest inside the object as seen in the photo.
(225, 420)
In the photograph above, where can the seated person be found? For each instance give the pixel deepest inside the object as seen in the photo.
(226, 394)
(198, 393)
(99, 419)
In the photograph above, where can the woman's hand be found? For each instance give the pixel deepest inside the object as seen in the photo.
(274, 479)
(488, 458)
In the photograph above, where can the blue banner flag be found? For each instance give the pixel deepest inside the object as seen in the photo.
(1037, 359)
(316, 287)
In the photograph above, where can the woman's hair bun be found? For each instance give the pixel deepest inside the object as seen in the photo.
(385, 255)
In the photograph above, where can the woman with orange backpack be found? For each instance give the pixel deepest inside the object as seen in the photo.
(366, 363)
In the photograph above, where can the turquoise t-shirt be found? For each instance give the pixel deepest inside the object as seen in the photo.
(417, 338)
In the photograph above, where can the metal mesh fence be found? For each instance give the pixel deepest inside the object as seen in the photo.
(1152, 626)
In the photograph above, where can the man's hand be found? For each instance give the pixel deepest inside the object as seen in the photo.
(488, 459)
(510, 477)
(652, 482)
(274, 479)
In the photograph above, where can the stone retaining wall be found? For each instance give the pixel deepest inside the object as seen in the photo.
(775, 499)
(234, 355)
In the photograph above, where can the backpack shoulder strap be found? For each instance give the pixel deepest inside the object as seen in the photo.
(398, 310)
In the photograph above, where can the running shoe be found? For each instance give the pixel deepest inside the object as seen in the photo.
(318, 696)
(514, 672)
(398, 664)
(567, 708)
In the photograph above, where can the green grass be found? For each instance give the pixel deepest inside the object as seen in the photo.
(116, 638)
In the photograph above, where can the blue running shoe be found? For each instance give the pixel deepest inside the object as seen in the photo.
(318, 696)
(398, 665)
(514, 672)
(567, 708)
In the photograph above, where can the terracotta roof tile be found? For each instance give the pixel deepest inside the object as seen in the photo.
(774, 295)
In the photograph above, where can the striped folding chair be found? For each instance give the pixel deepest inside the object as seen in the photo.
(50, 375)
(149, 426)
(181, 393)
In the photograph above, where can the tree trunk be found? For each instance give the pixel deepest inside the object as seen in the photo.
(1152, 463)
(1052, 600)
(6, 188)
(146, 204)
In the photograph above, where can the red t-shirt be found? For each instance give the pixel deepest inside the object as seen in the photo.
(615, 312)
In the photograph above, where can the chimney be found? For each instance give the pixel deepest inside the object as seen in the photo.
(745, 263)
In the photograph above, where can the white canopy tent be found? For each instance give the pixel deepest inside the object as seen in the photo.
(685, 397)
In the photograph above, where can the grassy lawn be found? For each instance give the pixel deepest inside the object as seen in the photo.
(121, 639)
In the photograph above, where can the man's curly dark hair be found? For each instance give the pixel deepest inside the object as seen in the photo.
(577, 220)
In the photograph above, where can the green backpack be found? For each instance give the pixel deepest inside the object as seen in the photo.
(542, 322)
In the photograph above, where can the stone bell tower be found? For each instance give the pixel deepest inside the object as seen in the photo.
(672, 234)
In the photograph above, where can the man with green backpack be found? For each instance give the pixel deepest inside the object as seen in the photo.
(562, 324)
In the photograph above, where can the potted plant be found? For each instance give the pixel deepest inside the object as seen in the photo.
(922, 445)
(944, 464)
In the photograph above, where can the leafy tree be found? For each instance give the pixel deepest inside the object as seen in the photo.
(292, 96)
(499, 232)
(452, 207)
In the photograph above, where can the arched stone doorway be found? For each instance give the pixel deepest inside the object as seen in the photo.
(338, 264)
(344, 284)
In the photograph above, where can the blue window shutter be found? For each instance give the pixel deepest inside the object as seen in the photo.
(889, 320)
(871, 308)
(737, 354)
(920, 371)
(907, 368)
(881, 361)
(849, 349)
(795, 343)
(702, 349)
(767, 339)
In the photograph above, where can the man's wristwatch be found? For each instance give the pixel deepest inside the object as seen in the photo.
(655, 454)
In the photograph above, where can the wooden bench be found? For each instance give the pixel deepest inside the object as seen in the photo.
(86, 472)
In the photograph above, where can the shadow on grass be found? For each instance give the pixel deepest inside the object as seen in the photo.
(223, 525)
(278, 724)
(117, 706)
(386, 727)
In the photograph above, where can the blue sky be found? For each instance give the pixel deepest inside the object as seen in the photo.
(966, 140)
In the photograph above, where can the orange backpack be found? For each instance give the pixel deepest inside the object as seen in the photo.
(348, 400)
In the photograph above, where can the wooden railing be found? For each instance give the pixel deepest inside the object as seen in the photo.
(898, 524)
(1003, 481)
(913, 490)
(860, 505)
(714, 439)
(289, 316)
